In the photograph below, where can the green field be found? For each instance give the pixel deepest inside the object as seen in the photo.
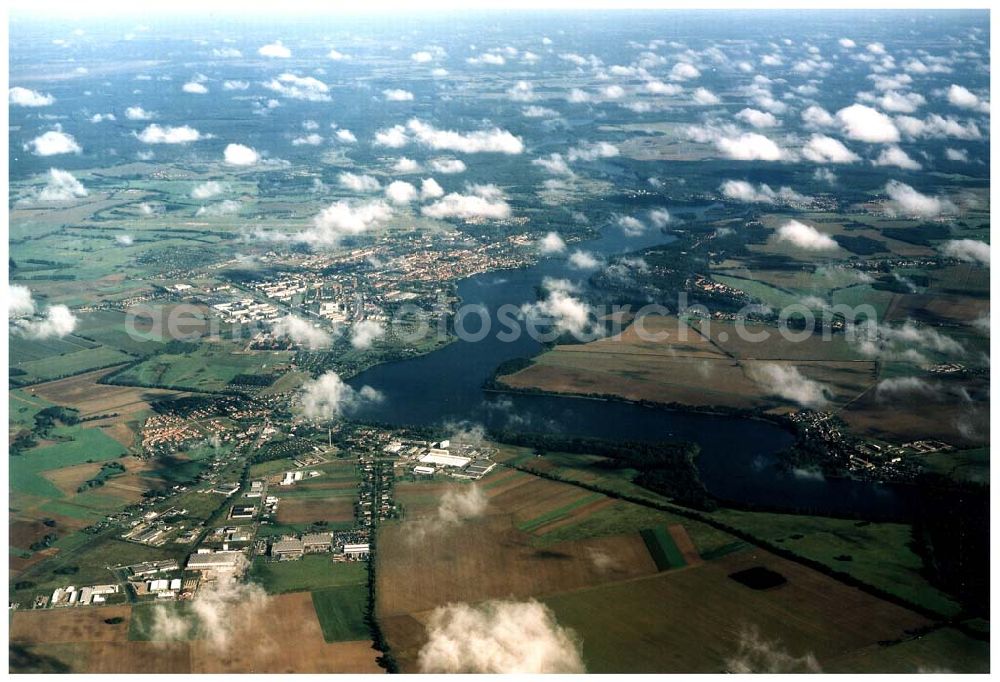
(341, 612)
(311, 572)
(74, 362)
(662, 548)
(83, 445)
(142, 625)
(210, 368)
(24, 407)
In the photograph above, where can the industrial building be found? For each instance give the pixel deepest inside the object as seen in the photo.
(444, 458)
(317, 542)
(356, 551)
(288, 548)
(214, 564)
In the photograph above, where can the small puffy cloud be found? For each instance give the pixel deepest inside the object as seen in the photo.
(969, 250)
(959, 155)
(61, 186)
(422, 57)
(937, 126)
(757, 118)
(311, 140)
(660, 217)
(750, 147)
(498, 637)
(346, 136)
(401, 193)
(343, 219)
(554, 164)
(430, 189)
(630, 225)
(613, 92)
(393, 138)
(156, 134)
(577, 96)
(563, 311)
(137, 113)
(19, 301)
(900, 103)
(274, 50)
(535, 111)
(591, 151)
(786, 382)
(484, 201)
(683, 71)
(300, 87)
(658, 87)
(207, 190)
(240, 155)
(521, 91)
(397, 95)
(365, 333)
(551, 244)
(805, 237)
(487, 58)
(100, 118)
(57, 321)
(818, 117)
(963, 98)
(25, 97)
(847, 43)
(301, 332)
(894, 156)
(743, 191)
(337, 55)
(405, 165)
(494, 140)
(194, 88)
(867, 125)
(222, 208)
(583, 260)
(124, 240)
(904, 200)
(705, 97)
(825, 149)
(359, 183)
(448, 166)
(52, 143)
(235, 85)
(226, 53)
(328, 397)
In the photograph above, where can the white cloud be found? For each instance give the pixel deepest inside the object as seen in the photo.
(683, 71)
(847, 43)
(300, 87)
(137, 113)
(240, 155)
(818, 117)
(124, 240)
(963, 98)
(100, 118)
(551, 244)
(498, 637)
(705, 97)
(312, 140)
(613, 92)
(61, 186)
(897, 102)
(577, 96)
(275, 50)
(405, 165)
(894, 156)
(658, 87)
(484, 201)
(741, 190)
(401, 193)
(960, 155)
(750, 147)
(494, 140)
(24, 97)
(396, 95)
(757, 118)
(226, 53)
(937, 126)
(904, 200)
(359, 183)
(58, 321)
(207, 190)
(235, 85)
(785, 381)
(488, 58)
(583, 260)
(564, 312)
(394, 137)
(630, 225)
(222, 208)
(328, 397)
(521, 91)
(430, 189)
(825, 149)
(422, 57)
(337, 56)
(535, 111)
(19, 301)
(343, 219)
(660, 217)
(53, 142)
(969, 250)
(805, 237)
(867, 125)
(554, 163)
(346, 136)
(448, 166)
(156, 134)
(591, 151)
(365, 333)
(194, 88)
(301, 332)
